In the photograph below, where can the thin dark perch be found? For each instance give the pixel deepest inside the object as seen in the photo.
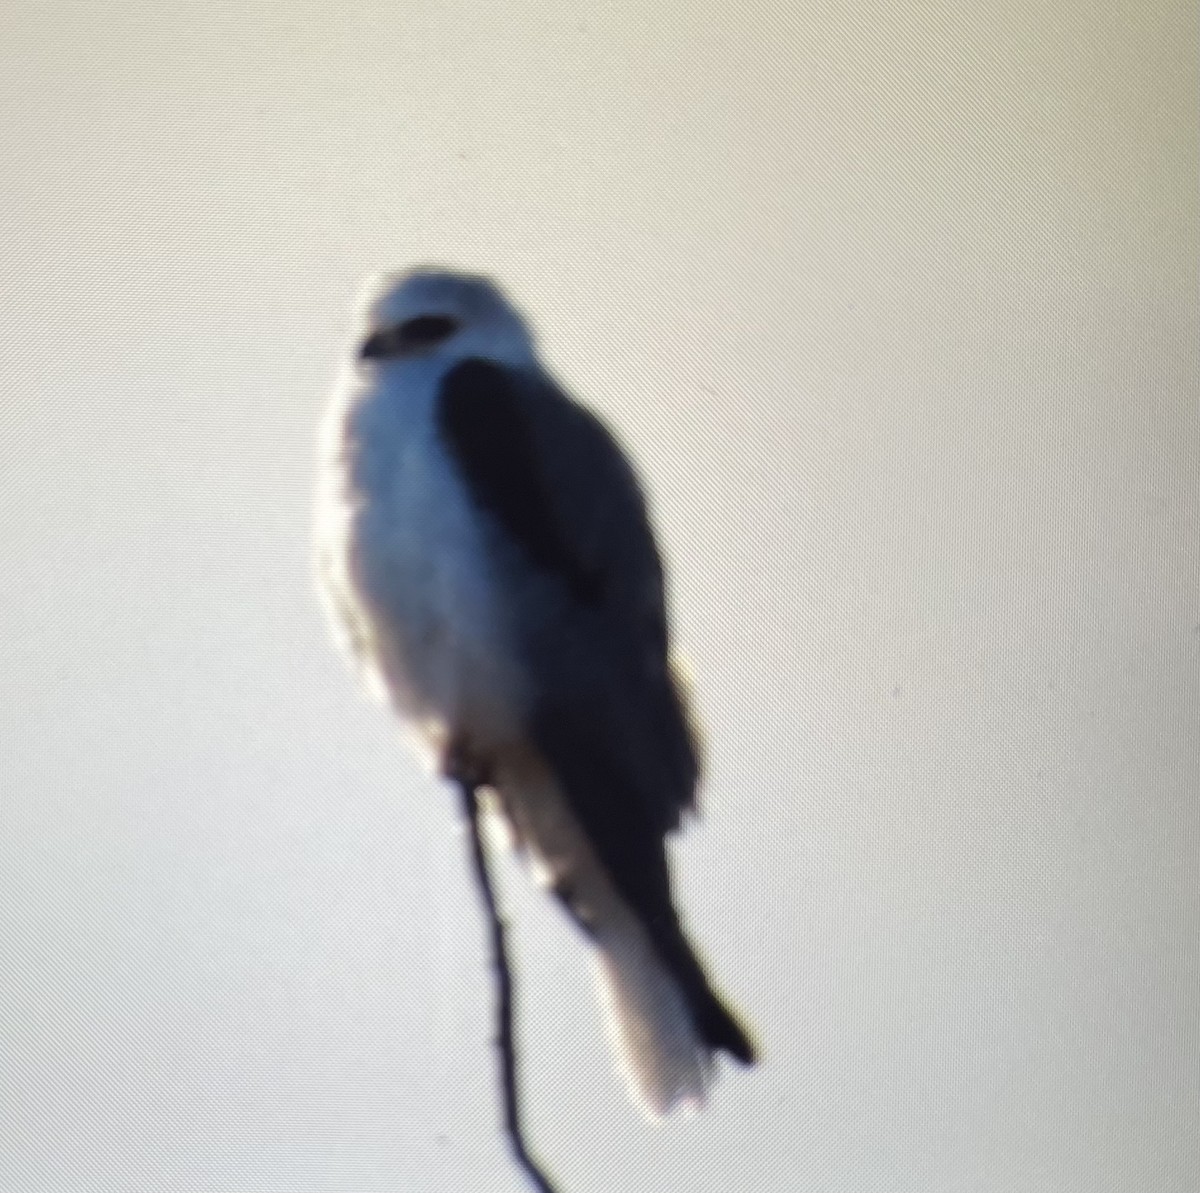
(504, 991)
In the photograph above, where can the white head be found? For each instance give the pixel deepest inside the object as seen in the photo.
(428, 314)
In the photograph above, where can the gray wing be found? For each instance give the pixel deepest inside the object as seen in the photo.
(577, 551)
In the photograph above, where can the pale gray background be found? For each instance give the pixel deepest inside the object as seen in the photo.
(896, 307)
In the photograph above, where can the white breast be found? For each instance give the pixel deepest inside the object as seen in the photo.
(404, 565)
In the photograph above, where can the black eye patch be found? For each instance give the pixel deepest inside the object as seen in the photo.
(425, 331)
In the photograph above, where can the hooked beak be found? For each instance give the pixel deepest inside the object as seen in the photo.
(380, 345)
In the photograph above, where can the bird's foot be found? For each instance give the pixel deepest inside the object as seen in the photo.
(460, 764)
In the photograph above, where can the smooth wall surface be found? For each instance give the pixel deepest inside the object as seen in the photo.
(896, 308)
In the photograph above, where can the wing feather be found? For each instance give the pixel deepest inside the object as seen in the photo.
(579, 558)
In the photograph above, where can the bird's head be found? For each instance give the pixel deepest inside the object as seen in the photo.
(430, 313)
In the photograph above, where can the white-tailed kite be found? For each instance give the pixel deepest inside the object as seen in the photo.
(485, 549)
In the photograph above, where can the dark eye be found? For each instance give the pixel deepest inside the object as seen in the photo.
(413, 335)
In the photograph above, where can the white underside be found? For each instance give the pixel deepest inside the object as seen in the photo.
(405, 572)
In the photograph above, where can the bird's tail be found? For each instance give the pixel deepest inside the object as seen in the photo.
(664, 1021)
(665, 1027)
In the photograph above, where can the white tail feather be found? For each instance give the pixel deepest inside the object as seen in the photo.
(667, 1065)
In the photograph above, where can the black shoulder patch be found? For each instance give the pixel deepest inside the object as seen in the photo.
(480, 418)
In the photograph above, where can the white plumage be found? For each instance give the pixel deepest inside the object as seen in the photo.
(403, 562)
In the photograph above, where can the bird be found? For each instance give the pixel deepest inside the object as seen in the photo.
(485, 552)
